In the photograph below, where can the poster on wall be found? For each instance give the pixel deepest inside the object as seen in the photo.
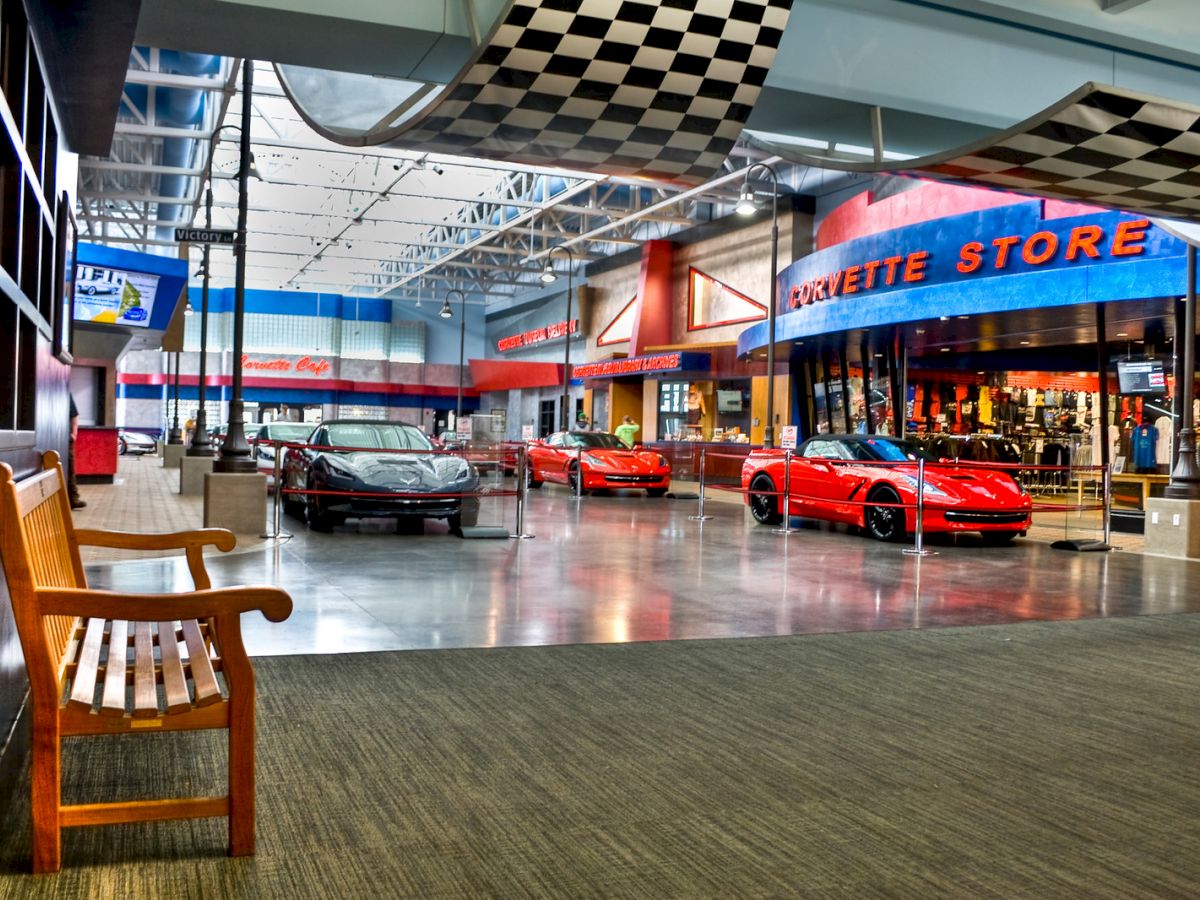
(113, 296)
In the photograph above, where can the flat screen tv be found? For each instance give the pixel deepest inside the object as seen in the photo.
(729, 401)
(122, 288)
(1141, 376)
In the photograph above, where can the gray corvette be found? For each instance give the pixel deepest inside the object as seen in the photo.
(360, 473)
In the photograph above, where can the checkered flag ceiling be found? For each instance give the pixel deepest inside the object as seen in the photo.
(658, 89)
(1100, 145)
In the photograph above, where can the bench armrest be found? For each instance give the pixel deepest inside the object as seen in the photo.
(193, 542)
(274, 603)
(221, 538)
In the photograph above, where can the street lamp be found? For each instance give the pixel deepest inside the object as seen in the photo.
(747, 205)
(1185, 476)
(446, 313)
(549, 276)
(235, 451)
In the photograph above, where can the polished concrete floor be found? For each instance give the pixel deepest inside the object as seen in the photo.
(629, 568)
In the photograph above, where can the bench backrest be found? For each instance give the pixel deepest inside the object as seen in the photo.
(38, 549)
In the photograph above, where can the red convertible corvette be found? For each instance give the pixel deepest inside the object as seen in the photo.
(608, 463)
(826, 484)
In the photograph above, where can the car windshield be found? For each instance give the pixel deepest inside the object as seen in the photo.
(282, 431)
(596, 440)
(369, 436)
(885, 449)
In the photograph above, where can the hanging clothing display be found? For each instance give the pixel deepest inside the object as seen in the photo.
(1164, 450)
(1143, 440)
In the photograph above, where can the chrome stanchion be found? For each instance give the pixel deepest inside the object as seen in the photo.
(579, 471)
(522, 489)
(919, 532)
(276, 518)
(1106, 511)
(700, 516)
(787, 495)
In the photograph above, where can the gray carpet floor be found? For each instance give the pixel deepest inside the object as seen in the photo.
(1034, 760)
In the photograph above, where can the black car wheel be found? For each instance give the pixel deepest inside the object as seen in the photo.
(530, 479)
(122, 447)
(319, 518)
(884, 523)
(764, 506)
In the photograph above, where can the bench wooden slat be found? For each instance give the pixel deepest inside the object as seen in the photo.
(113, 701)
(145, 680)
(172, 669)
(83, 688)
(204, 680)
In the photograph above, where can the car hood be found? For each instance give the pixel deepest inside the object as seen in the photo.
(969, 484)
(403, 470)
(625, 459)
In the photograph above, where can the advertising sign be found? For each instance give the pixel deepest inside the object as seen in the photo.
(527, 433)
(787, 437)
(114, 297)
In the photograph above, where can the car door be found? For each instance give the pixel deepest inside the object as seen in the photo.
(814, 478)
(557, 457)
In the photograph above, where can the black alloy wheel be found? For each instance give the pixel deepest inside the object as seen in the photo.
(764, 506)
(320, 519)
(884, 523)
(531, 481)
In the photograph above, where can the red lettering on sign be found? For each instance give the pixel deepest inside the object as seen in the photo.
(869, 268)
(629, 366)
(1037, 257)
(1003, 245)
(970, 257)
(914, 266)
(819, 288)
(835, 282)
(891, 262)
(1084, 238)
(850, 282)
(317, 367)
(537, 335)
(1128, 239)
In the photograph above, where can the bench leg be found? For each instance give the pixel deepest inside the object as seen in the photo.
(45, 770)
(241, 774)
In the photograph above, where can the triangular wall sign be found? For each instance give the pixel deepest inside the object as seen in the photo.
(711, 303)
(620, 329)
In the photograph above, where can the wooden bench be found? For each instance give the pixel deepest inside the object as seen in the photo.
(106, 662)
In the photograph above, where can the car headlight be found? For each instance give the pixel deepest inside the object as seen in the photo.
(337, 468)
(931, 490)
(593, 460)
(662, 461)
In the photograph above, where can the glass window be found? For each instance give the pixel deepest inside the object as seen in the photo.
(376, 437)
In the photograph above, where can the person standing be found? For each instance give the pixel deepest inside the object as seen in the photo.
(582, 423)
(627, 429)
(77, 502)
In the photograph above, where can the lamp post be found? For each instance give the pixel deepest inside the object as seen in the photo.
(446, 313)
(1185, 476)
(235, 451)
(549, 276)
(175, 436)
(746, 206)
(201, 442)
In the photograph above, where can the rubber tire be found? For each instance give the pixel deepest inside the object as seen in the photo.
(294, 508)
(572, 477)
(765, 507)
(655, 492)
(531, 482)
(998, 538)
(323, 522)
(881, 523)
(122, 447)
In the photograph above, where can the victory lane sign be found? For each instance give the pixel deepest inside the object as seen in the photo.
(206, 235)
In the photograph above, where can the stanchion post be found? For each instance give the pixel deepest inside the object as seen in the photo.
(1106, 509)
(578, 472)
(918, 549)
(522, 493)
(787, 495)
(276, 519)
(700, 516)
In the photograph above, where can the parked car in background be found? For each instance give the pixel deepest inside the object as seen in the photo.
(370, 469)
(135, 443)
(264, 449)
(607, 463)
(826, 483)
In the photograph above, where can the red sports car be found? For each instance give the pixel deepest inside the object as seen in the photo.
(607, 463)
(827, 484)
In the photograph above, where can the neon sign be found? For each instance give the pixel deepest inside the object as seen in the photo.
(1039, 248)
(537, 335)
(316, 367)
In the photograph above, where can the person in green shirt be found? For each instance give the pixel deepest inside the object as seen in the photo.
(627, 429)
